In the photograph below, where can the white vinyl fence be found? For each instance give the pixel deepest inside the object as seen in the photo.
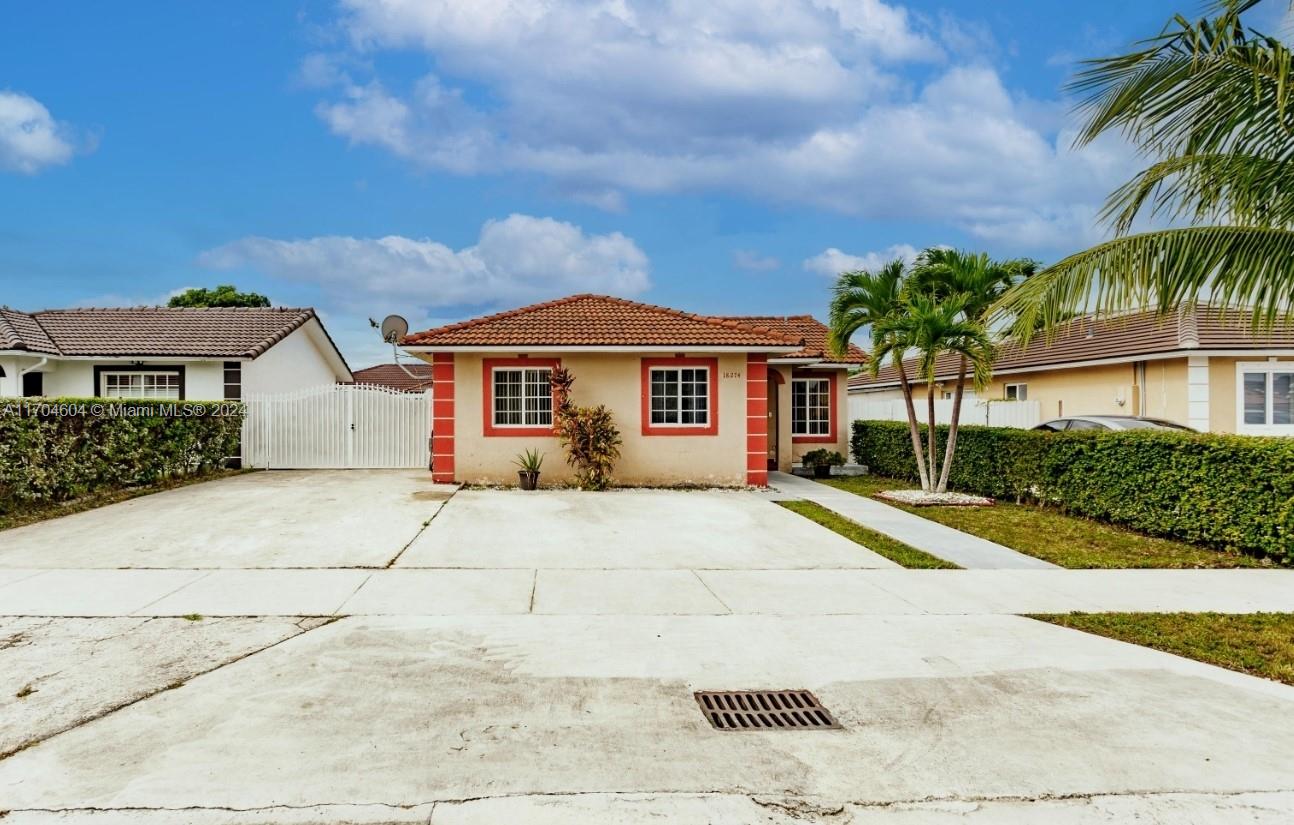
(1019, 414)
(340, 426)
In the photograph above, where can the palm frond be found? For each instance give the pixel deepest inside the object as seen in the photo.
(1223, 265)
(1245, 189)
(1197, 88)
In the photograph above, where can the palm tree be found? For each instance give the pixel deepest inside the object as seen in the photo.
(862, 300)
(979, 282)
(934, 325)
(1209, 101)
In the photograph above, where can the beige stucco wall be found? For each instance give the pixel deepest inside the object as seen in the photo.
(614, 380)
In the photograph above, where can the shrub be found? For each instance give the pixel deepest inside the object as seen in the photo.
(588, 434)
(57, 449)
(1225, 491)
(822, 458)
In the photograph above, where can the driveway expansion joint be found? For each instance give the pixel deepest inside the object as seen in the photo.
(108, 711)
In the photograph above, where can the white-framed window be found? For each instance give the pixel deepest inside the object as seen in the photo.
(140, 384)
(523, 397)
(1265, 397)
(1017, 392)
(680, 396)
(810, 406)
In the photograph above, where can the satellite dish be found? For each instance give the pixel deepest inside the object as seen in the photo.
(394, 328)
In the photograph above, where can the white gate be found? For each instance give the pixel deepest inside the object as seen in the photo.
(343, 426)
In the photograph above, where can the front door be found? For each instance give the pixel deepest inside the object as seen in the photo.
(772, 423)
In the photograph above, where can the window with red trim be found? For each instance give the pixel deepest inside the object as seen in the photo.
(679, 396)
(517, 396)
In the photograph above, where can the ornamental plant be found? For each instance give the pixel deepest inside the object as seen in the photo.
(588, 434)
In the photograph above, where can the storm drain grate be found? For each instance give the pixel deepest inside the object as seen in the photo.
(764, 710)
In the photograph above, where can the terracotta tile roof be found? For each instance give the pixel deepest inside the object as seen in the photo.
(234, 332)
(599, 320)
(395, 377)
(813, 331)
(1128, 336)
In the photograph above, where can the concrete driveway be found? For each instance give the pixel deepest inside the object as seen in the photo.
(354, 518)
(415, 706)
(629, 529)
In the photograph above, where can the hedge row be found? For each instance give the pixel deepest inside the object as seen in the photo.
(57, 449)
(1225, 491)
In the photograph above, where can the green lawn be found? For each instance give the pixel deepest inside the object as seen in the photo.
(895, 551)
(30, 514)
(1068, 541)
(1260, 644)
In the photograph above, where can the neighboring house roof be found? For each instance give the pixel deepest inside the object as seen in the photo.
(395, 376)
(600, 320)
(813, 331)
(20, 331)
(209, 332)
(1129, 337)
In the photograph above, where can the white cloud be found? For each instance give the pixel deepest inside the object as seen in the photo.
(788, 101)
(515, 260)
(831, 262)
(30, 138)
(752, 261)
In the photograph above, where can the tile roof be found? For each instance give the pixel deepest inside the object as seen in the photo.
(600, 320)
(1127, 336)
(395, 377)
(18, 330)
(813, 331)
(212, 332)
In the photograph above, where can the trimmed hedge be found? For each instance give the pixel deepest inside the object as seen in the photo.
(1226, 491)
(57, 449)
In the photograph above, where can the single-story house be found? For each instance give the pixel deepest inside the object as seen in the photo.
(206, 354)
(704, 399)
(402, 377)
(1203, 367)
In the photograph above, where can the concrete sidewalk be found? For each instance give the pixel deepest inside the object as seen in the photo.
(963, 549)
(645, 592)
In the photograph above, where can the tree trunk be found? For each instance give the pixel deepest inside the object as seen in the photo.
(952, 428)
(914, 428)
(932, 446)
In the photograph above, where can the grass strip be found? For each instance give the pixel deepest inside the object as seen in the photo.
(1260, 644)
(880, 543)
(1048, 534)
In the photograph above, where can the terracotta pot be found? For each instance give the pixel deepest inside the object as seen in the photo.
(528, 480)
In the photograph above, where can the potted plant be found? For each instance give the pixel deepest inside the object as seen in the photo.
(529, 463)
(822, 461)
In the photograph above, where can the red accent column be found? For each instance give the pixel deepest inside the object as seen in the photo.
(757, 420)
(442, 417)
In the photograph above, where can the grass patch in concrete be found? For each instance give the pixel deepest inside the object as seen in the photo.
(1260, 644)
(892, 549)
(1053, 536)
(45, 512)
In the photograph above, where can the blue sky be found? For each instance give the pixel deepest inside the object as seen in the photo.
(442, 159)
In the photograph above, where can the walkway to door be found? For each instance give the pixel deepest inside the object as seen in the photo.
(962, 549)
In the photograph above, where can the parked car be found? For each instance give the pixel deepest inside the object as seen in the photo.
(1109, 422)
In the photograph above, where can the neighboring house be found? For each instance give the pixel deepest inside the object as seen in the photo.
(403, 377)
(1204, 368)
(700, 399)
(165, 352)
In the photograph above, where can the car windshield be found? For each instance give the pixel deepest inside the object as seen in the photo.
(1151, 424)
